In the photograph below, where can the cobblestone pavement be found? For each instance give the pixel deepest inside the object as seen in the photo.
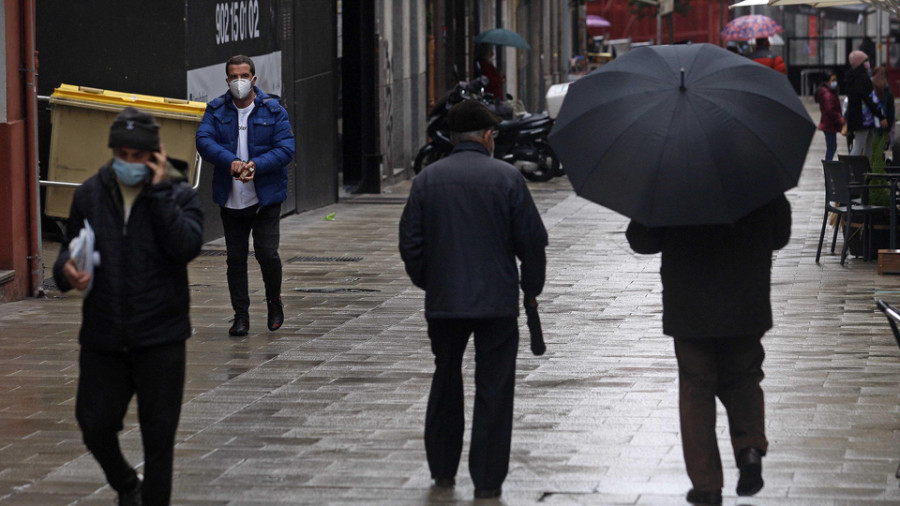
(330, 408)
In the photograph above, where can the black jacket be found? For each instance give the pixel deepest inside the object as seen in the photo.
(140, 289)
(716, 277)
(467, 218)
(858, 87)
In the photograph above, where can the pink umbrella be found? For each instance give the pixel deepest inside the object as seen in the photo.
(595, 21)
(751, 27)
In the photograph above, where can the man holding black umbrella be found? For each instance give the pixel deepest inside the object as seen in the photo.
(716, 306)
(467, 219)
(699, 160)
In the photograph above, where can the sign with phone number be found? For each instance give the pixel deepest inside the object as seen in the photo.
(237, 21)
(219, 29)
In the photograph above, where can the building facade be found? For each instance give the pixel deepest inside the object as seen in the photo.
(357, 78)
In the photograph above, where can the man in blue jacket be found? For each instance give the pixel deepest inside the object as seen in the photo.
(247, 136)
(467, 219)
(148, 224)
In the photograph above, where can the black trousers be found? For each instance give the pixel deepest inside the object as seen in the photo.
(729, 368)
(496, 345)
(238, 224)
(106, 383)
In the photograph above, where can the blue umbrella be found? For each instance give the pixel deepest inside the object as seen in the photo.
(502, 37)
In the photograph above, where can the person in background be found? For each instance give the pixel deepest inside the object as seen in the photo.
(832, 121)
(484, 66)
(716, 281)
(148, 224)
(466, 221)
(867, 45)
(764, 56)
(247, 136)
(863, 113)
(886, 99)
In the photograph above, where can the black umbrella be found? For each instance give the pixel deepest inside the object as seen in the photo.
(533, 320)
(682, 135)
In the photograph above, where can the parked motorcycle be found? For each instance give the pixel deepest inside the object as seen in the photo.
(521, 141)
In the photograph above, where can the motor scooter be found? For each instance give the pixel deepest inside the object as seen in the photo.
(521, 141)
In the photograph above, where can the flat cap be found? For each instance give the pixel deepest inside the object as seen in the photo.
(470, 116)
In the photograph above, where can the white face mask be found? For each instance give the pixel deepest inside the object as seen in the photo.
(832, 85)
(240, 88)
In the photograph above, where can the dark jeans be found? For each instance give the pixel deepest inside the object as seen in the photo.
(106, 383)
(830, 145)
(496, 345)
(263, 222)
(729, 368)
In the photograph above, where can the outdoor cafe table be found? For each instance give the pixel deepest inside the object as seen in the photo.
(894, 179)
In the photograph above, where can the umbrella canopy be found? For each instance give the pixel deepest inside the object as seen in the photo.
(682, 135)
(502, 37)
(751, 27)
(595, 21)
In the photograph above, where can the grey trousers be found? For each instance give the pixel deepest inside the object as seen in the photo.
(862, 143)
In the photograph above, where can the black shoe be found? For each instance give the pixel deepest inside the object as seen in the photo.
(276, 313)
(240, 327)
(481, 493)
(132, 497)
(750, 464)
(704, 496)
(444, 482)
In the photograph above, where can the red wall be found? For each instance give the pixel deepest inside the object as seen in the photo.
(702, 23)
(14, 199)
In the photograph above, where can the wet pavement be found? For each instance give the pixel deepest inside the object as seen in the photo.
(330, 409)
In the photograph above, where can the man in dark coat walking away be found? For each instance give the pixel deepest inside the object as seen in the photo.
(467, 219)
(148, 225)
(716, 305)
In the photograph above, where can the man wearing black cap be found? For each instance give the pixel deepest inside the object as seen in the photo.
(148, 224)
(467, 219)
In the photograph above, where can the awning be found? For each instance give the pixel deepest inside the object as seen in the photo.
(892, 6)
(749, 3)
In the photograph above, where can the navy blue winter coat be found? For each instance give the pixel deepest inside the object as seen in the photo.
(270, 143)
(716, 278)
(467, 219)
(140, 294)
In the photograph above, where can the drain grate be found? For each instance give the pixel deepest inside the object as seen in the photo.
(49, 284)
(323, 259)
(218, 253)
(336, 290)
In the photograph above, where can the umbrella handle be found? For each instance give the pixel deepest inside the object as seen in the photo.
(534, 327)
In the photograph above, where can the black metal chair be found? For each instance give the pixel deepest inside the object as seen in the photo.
(859, 166)
(842, 196)
(893, 317)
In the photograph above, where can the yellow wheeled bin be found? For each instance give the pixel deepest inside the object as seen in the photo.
(81, 117)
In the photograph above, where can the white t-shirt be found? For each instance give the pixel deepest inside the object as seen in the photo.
(129, 195)
(243, 195)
